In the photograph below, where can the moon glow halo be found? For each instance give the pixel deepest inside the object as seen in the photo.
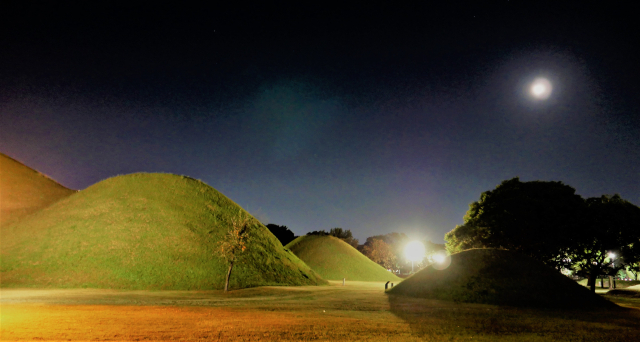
(541, 88)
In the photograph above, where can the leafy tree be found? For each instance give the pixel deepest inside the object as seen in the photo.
(609, 240)
(465, 237)
(396, 243)
(318, 232)
(379, 252)
(539, 219)
(345, 235)
(282, 233)
(549, 222)
(233, 243)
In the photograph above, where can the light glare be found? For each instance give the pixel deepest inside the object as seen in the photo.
(414, 251)
(538, 89)
(541, 88)
(441, 261)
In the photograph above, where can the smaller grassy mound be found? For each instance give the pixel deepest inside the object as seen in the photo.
(24, 190)
(499, 277)
(335, 259)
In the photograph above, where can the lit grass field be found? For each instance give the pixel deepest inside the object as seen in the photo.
(360, 311)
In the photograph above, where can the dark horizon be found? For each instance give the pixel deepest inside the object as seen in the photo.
(374, 119)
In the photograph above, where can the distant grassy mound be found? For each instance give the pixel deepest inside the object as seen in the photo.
(335, 259)
(24, 190)
(499, 277)
(142, 231)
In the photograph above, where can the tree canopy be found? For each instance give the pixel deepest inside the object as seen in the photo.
(379, 252)
(282, 233)
(343, 234)
(537, 218)
(396, 242)
(610, 240)
(548, 221)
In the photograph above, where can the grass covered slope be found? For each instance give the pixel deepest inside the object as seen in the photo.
(24, 190)
(142, 231)
(335, 259)
(499, 277)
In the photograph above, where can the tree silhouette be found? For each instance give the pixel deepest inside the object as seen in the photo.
(549, 222)
(345, 235)
(609, 239)
(282, 233)
(539, 219)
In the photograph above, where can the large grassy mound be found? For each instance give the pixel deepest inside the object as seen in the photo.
(142, 231)
(335, 259)
(24, 190)
(499, 277)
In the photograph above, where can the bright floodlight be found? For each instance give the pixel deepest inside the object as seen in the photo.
(414, 251)
(541, 88)
(612, 255)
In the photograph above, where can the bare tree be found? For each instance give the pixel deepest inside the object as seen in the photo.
(233, 243)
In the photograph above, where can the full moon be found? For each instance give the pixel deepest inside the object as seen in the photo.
(541, 88)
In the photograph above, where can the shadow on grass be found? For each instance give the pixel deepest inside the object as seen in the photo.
(442, 320)
(623, 293)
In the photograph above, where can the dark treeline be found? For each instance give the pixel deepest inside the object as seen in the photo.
(343, 234)
(283, 233)
(549, 222)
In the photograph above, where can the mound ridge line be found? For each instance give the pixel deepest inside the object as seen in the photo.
(142, 231)
(335, 259)
(24, 190)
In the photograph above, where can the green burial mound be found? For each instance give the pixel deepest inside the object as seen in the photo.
(142, 231)
(499, 277)
(24, 190)
(335, 259)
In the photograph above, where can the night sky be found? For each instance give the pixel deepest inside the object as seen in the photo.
(373, 119)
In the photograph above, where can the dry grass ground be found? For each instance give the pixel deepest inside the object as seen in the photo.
(357, 312)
